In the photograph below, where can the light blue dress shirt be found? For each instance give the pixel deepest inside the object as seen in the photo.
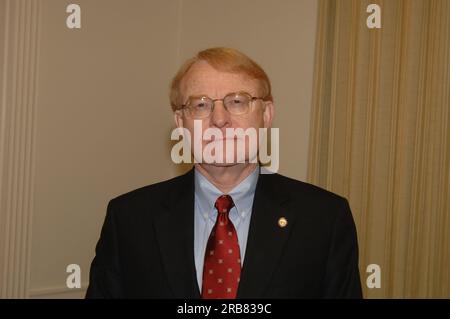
(205, 214)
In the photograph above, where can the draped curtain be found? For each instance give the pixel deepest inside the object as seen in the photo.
(380, 136)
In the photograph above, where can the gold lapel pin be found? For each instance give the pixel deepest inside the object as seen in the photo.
(282, 222)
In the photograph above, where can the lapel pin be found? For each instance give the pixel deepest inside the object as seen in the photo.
(282, 222)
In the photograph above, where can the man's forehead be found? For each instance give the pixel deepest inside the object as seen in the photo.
(204, 79)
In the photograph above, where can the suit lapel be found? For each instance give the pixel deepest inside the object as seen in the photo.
(266, 238)
(175, 234)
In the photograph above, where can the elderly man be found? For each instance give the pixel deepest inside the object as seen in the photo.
(224, 230)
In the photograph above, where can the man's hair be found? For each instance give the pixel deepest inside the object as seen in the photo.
(225, 60)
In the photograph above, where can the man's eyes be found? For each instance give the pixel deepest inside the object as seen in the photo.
(200, 105)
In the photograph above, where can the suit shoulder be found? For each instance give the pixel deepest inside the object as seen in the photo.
(312, 200)
(156, 191)
(296, 187)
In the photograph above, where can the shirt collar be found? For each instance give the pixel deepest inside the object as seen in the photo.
(206, 195)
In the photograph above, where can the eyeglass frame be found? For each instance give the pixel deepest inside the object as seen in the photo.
(252, 98)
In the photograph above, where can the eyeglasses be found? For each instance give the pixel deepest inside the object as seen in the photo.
(236, 103)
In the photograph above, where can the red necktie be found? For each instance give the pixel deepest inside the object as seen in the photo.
(222, 267)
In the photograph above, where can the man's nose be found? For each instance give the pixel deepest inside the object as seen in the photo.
(220, 116)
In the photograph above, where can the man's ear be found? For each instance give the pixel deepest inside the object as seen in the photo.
(178, 117)
(268, 113)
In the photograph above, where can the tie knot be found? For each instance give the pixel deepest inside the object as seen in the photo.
(224, 203)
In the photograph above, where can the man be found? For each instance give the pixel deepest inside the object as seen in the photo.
(223, 230)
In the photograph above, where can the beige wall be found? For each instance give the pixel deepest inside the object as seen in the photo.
(102, 123)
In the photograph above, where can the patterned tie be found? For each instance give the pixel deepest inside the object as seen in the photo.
(222, 267)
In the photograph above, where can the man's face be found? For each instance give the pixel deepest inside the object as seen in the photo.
(203, 79)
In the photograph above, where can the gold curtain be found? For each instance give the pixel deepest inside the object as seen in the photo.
(380, 136)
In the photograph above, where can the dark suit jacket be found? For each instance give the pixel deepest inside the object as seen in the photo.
(146, 244)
